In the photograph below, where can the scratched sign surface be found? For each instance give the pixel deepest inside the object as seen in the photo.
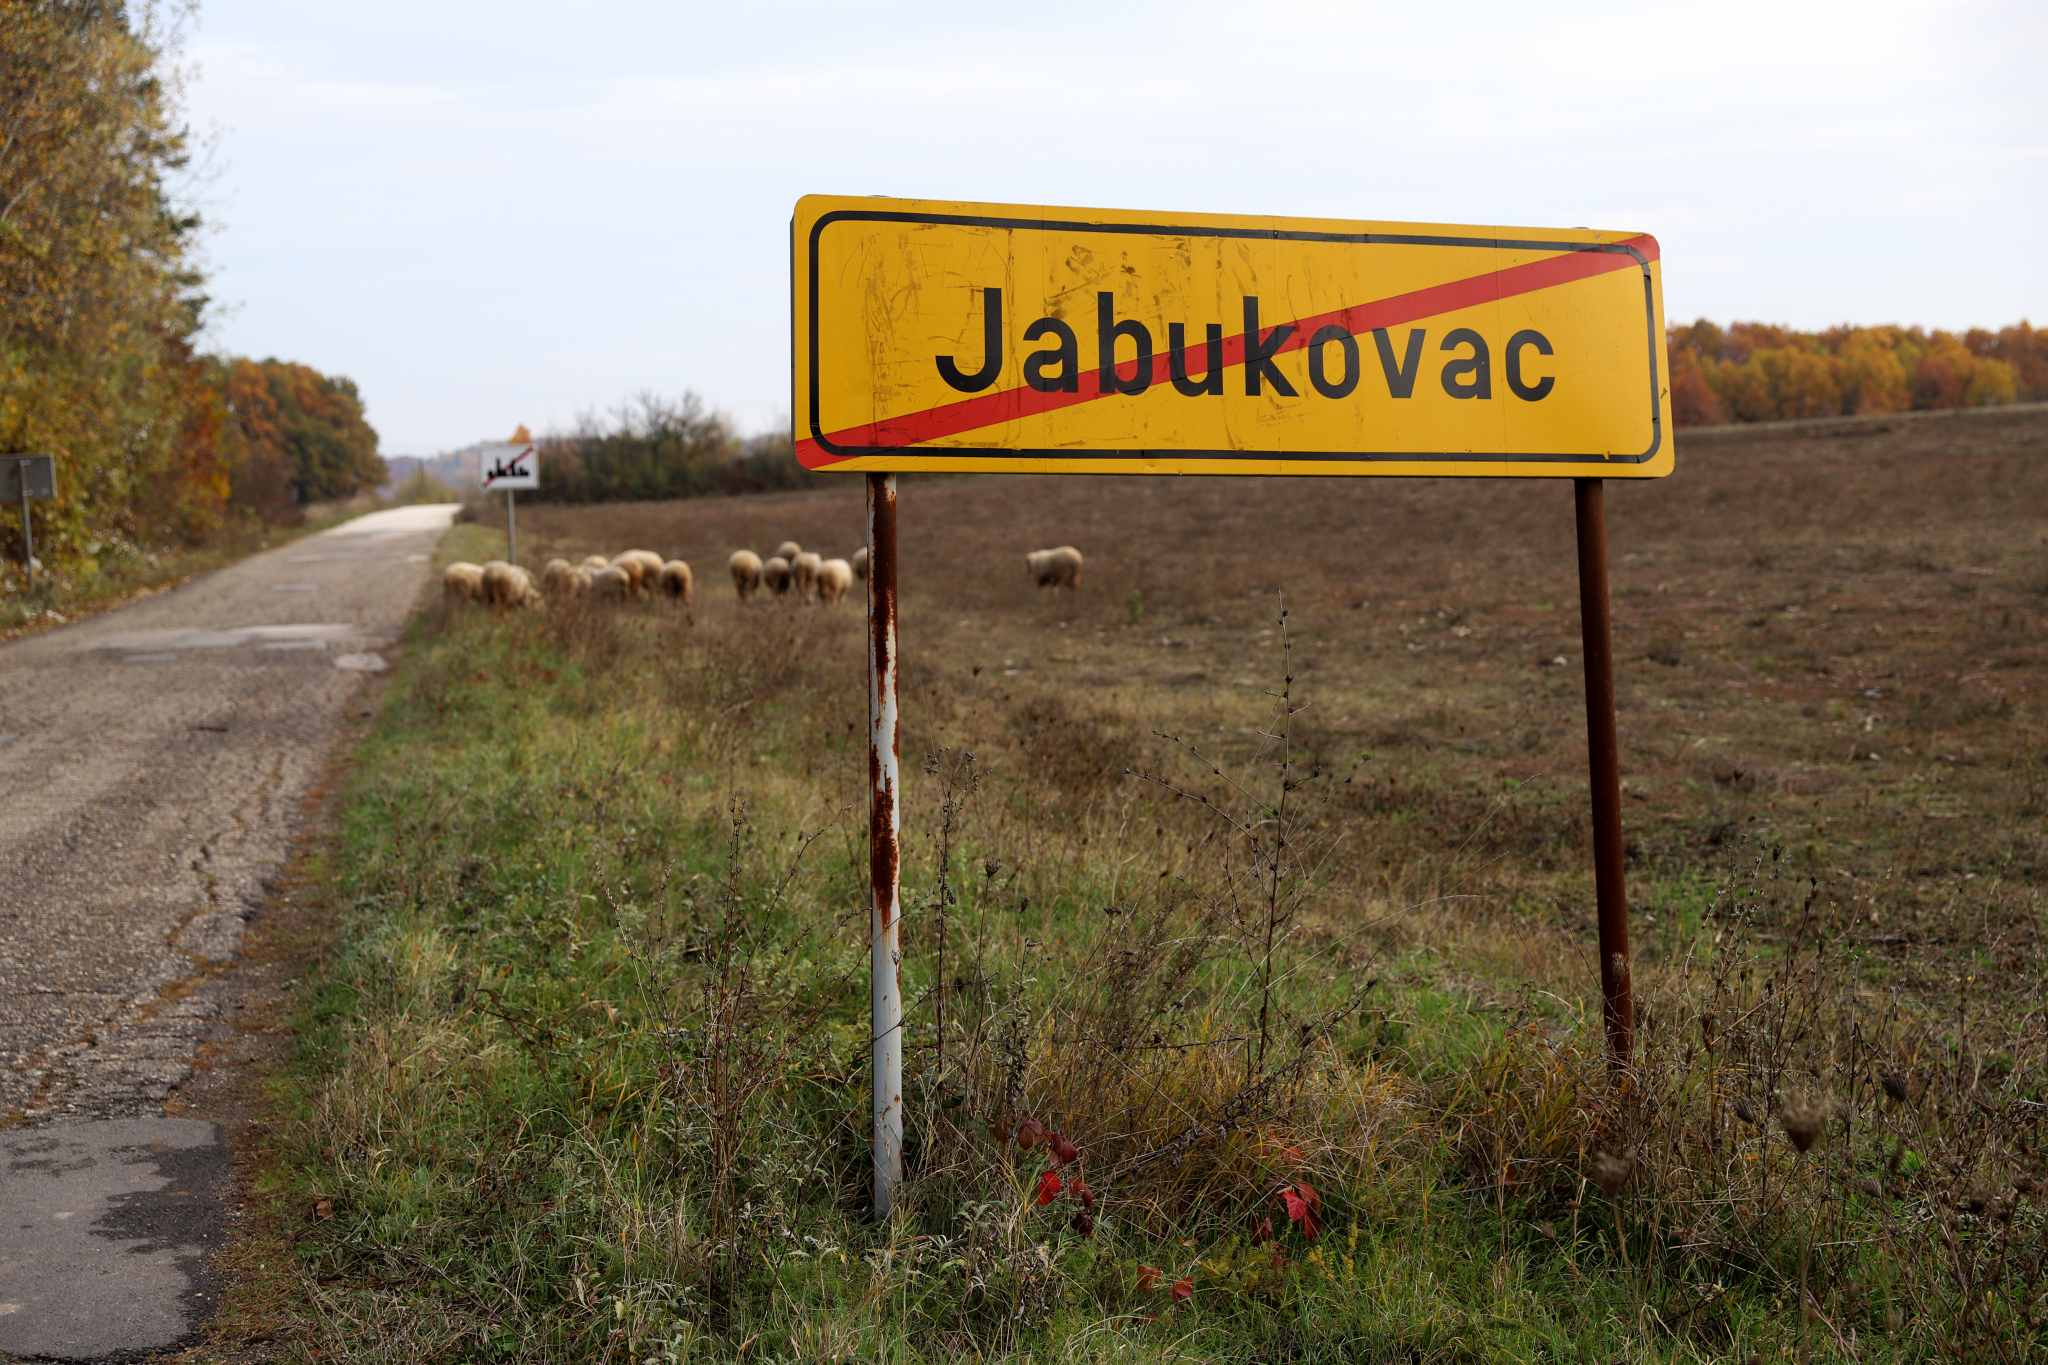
(1028, 339)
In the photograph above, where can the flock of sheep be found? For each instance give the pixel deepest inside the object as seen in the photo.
(792, 568)
(634, 574)
(639, 574)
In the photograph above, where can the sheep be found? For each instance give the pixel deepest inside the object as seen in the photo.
(596, 562)
(835, 579)
(676, 581)
(563, 579)
(788, 550)
(775, 573)
(1055, 568)
(746, 572)
(860, 563)
(613, 583)
(463, 581)
(803, 572)
(508, 585)
(644, 566)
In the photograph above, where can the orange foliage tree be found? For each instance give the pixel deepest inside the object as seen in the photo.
(293, 435)
(1754, 372)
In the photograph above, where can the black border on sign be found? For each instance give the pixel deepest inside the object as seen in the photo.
(1269, 234)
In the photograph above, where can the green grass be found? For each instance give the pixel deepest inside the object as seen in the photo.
(585, 1076)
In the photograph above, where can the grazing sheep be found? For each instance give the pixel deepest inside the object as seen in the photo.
(464, 581)
(595, 562)
(558, 576)
(643, 565)
(775, 573)
(508, 585)
(676, 581)
(860, 563)
(746, 572)
(835, 580)
(1055, 568)
(803, 572)
(613, 583)
(788, 550)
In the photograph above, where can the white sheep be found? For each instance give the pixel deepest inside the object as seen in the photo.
(775, 573)
(463, 581)
(835, 580)
(803, 572)
(676, 580)
(613, 583)
(1055, 568)
(788, 550)
(558, 577)
(860, 563)
(508, 585)
(643, 565)
(746, 572)
(596, 562)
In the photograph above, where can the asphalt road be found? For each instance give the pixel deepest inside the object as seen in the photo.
(153, 760)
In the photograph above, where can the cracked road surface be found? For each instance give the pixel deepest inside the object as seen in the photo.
(153, 760)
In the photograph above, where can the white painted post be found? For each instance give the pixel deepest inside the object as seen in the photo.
(884, 857)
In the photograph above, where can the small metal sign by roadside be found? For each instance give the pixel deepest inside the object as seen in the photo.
(24, 478)
(1013, 339)
(510, 466)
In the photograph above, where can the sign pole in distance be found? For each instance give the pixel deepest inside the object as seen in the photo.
(884, 849)
(34, 476)
(510, 466)
(28, 531)
(1033, 340)
(1603, 770)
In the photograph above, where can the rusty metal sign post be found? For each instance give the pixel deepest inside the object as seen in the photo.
(884, 846)
(1024, 339)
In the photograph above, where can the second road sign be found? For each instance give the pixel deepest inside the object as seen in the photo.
(980, 336)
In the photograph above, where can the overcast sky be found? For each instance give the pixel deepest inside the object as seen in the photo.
(505, 212)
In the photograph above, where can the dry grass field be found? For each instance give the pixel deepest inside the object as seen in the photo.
(1257, 870)
(1830, 638)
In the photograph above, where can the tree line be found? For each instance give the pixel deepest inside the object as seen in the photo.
(102, 298)
(654, 448)
(1754, 372)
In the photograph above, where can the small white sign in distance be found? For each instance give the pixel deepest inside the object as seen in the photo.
(509, 466)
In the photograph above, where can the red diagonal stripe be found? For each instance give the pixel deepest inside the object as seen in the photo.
(971, 414)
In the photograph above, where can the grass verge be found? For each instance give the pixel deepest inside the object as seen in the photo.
(1233, 1055)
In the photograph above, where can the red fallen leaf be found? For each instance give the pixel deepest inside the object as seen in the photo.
(1279, 1261)
(1297, 1207)
(1293, 1156)
(1083, 1224)
(1048, 1188)
(1265, 1231)
(1148, 1275)
(1183, 1288)
(1082, 1192)
(998, 1131)
(1029, 1133)
(323, 1208)
(1308, 1192)
(1311, 1225)
(1062, 1150)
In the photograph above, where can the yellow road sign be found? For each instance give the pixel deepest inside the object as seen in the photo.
(1027, 339)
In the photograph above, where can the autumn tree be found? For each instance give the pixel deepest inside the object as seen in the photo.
(293, 436)
(99, 297)
(1755, 372)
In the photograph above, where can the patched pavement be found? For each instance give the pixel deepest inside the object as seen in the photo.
(155, 760)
